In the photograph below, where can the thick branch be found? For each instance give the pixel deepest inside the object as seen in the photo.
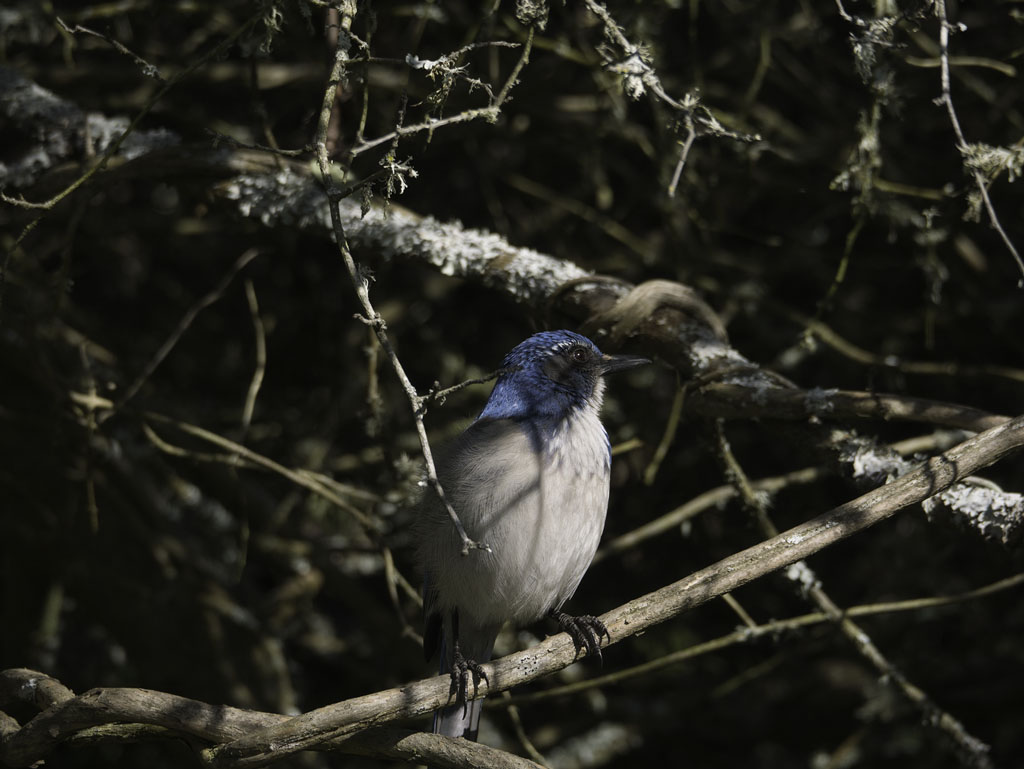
(74, 717)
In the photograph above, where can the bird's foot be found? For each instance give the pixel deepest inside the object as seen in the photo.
(462, 671)
(586, 632)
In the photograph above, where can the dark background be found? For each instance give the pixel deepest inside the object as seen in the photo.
(231, 585)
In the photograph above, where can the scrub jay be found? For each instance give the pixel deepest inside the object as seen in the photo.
(529, 478)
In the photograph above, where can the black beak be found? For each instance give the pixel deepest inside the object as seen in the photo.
(612, 363)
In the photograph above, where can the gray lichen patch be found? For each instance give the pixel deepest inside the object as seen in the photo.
(290, 198)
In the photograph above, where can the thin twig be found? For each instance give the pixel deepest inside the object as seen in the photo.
(517, 725)
(737, 607)
(848, 349)
(674, 415)
(149, 70)
(487, 113)
(183, 325)
(309, 479)
(391, 579)
(321, 485)
(347, 10)
(513, 77)
(700, 504)
(438, 396)
(221, 138)
(687, 143)
(947, 99)
(260, 336)
(302, 478)
(91, 423)
(844, 13)
(639, 77)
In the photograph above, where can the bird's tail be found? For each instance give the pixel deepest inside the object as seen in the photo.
(463, 720)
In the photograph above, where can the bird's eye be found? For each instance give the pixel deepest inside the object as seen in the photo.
(579, 354)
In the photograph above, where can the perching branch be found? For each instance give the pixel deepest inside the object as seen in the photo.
(961, 141)
(311, 729)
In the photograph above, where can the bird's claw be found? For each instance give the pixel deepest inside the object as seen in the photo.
(586, 631)
(462, 670)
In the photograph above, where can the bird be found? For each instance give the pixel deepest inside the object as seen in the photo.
(529, 479)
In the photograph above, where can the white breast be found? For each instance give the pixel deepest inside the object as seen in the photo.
(542, 514)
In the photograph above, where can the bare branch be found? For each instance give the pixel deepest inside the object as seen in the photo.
(120, 711)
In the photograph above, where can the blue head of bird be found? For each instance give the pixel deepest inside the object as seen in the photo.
(551, 376)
